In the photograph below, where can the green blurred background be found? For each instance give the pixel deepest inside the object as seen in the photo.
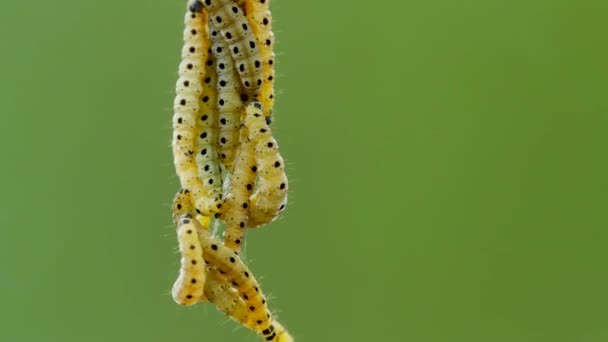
(447, 164)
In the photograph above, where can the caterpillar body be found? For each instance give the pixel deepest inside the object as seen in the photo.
(230, 20)
(187, 107)
(207, 155)
(270, 197)
(260, 20)
(229, 103)
(189, 286)
(237, 201)
(220, 292)
(229, 264)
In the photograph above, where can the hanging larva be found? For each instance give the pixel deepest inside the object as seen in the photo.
(260, 20)
(229, 264)
(187, 108)
(270, 196)
(220, 292)
(230, 20)
(190, 284)
(229, 103)
(237, 201)
(209, 169)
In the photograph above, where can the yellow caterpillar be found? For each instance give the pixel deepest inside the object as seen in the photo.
(260, 20)
(189, 286)
(220, 292)
(209, 168)
(230, 20)
(270, 196)
(187, 107)
(237, 201)
(229, 101)
(229, 264)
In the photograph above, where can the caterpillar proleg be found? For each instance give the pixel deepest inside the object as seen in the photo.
(190, 284)
(270, 196)
(230, 20)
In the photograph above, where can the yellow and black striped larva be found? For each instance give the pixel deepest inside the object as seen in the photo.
(229, 103)
(260, 20)
(230, 20)
(230, 265)
(236, 205)
(270, 197)
(187, 106)
(189, 286)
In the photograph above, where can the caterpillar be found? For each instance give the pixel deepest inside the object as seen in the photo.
(229, 103)
(229, 264)
(230, 20)
(220, 292)
(186, 108)
(270, 196)
(190, 284)
(260, 20)
(209, 168)
(237, 201)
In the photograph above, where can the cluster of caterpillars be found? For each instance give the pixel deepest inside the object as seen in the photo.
(225, 156)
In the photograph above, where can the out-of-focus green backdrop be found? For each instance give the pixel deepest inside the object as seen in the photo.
(447, 162)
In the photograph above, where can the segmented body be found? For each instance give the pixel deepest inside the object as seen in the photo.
(189, 286)
(207, 155)
(229, 103)
(220, 292)
(270, 197)
(230, 20)
(187, 106)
